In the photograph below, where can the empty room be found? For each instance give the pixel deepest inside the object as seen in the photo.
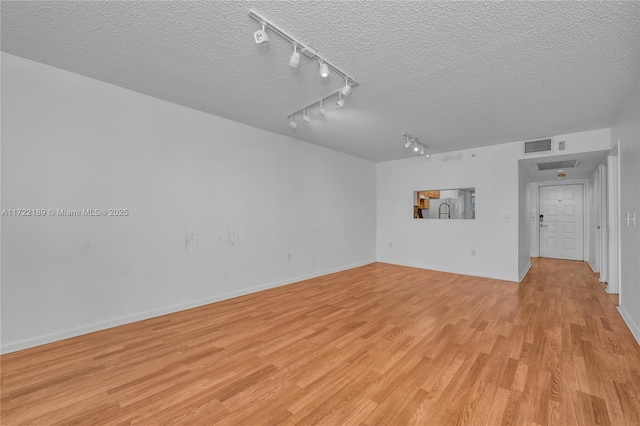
(331, 213)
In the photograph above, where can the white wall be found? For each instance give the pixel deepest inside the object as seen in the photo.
(626, 134)
(215, 206)
(447, 245)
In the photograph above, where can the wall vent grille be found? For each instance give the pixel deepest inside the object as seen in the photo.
(552, 165)
(541, 145)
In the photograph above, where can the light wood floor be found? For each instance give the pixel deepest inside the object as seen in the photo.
(376, 345)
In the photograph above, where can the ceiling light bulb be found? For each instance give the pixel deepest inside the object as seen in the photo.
(560, 171)
(292, 123)
(340, 100)
(305, 117)
(294, 59)
(321, 111)
(346, 90)
(324, 70)
(415, 146)
(261, 36)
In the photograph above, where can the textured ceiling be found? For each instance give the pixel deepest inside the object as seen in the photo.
(455, 74)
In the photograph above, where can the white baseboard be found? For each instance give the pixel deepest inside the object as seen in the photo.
(114, 322)
(524, 272)
(592, 266)
(632, 325)
(460, 272)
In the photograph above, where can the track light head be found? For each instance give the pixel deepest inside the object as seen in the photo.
(261, 36)
(415, 146)
(346, 90)
(324, 70)
(292, 123)
(305, 117)
(340, 100)
(408, 143)
(421, 150)
(321, 111)
(428, 152)
(294, 59)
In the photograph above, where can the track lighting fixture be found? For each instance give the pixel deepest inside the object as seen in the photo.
(340, 103)
(324, 69)
(346, 90)
(321, 110)
(310, 52)
(294, 59)
(261, 36)
(417, 146)
(300, 47)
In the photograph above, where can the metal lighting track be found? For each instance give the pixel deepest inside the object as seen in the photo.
(315, 102)
(284, 34)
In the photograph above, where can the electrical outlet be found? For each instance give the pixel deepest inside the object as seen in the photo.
(473, 252)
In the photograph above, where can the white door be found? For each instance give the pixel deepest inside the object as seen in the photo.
(561, 222)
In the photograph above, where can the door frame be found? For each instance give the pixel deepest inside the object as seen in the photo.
(595, 220)
(604, 223)
(535, 209)
(613, 201)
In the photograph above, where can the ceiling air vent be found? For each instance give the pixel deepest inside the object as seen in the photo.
(541, 145)
(552, 165)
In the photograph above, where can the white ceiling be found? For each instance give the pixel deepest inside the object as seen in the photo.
(587, 164)
(455, 74)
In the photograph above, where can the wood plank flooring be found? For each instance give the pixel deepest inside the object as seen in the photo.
(376, 345)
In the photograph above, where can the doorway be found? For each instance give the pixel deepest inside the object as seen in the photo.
(561, 222)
